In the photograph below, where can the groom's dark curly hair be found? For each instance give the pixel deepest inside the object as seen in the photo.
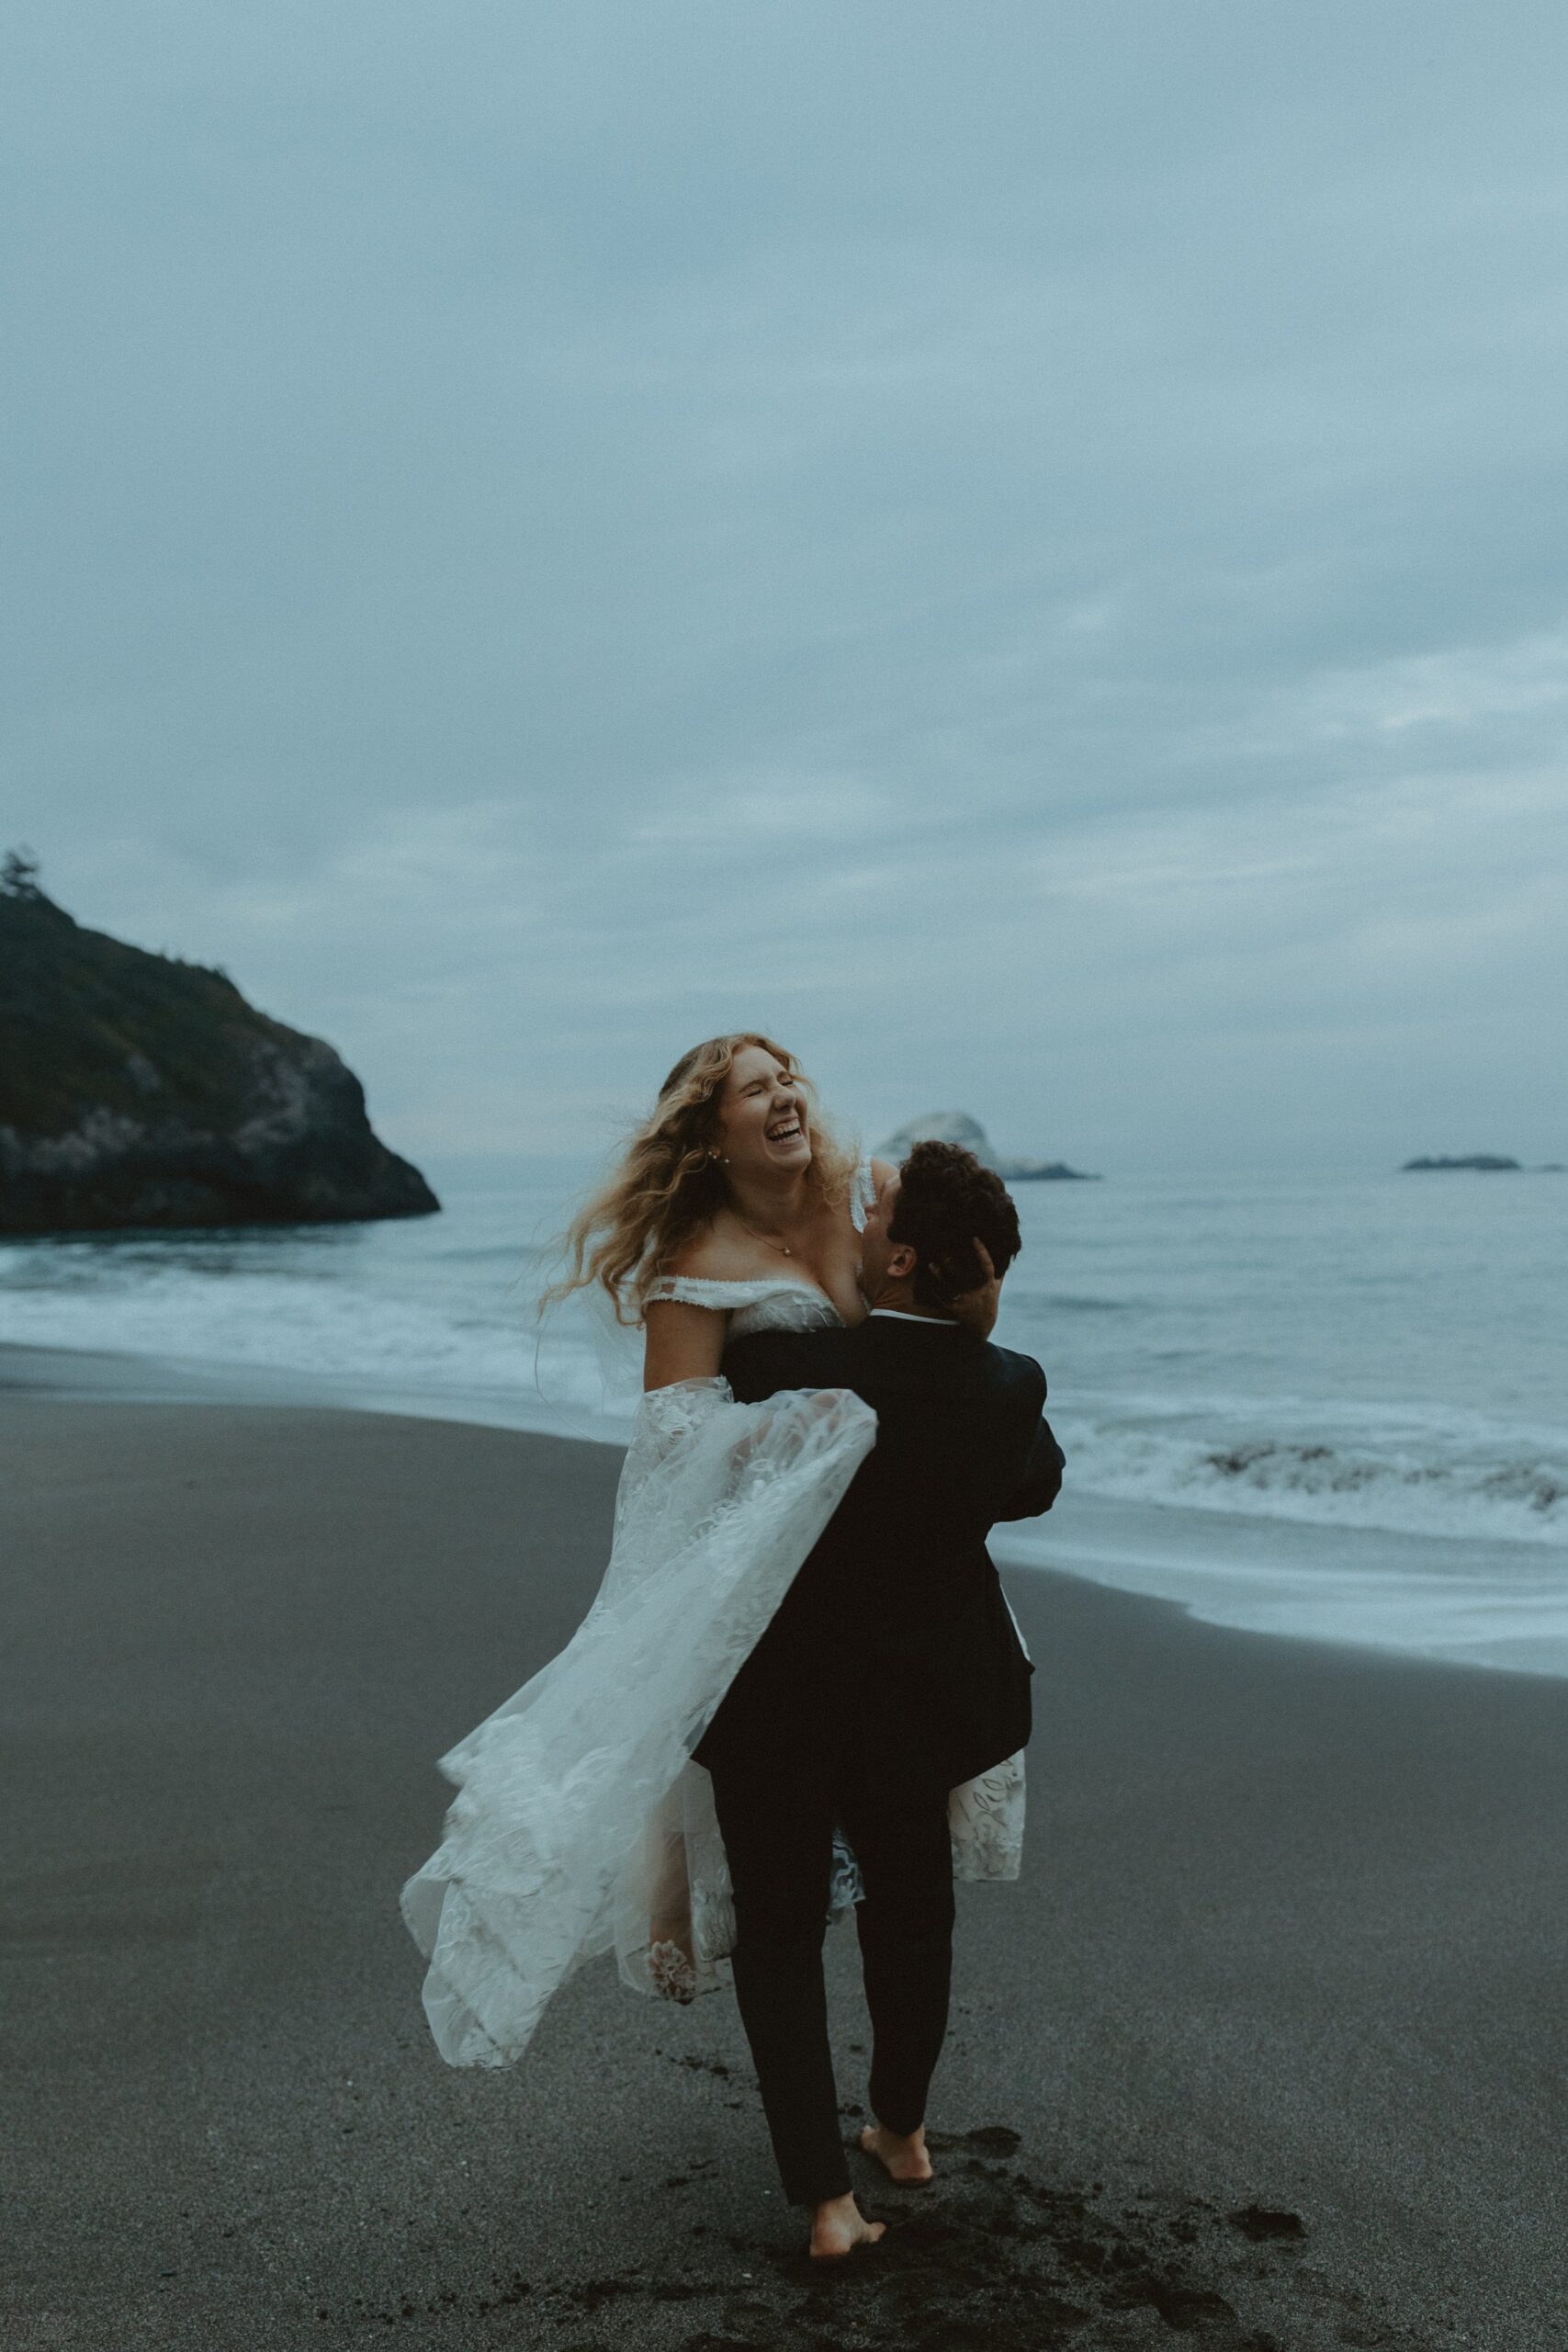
(946, 1201)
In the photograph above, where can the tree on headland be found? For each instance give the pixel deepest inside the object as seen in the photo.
(19, 872)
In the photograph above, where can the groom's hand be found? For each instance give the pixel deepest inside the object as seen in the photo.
(977, 1309)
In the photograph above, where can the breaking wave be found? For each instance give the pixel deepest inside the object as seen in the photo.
(1416, 1472)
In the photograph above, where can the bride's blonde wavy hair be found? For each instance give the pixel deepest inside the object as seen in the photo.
(669, 1187)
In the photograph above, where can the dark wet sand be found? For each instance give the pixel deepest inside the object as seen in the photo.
(1267, 2047)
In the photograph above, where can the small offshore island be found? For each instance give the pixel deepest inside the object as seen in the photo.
(1488, 1163)
(957, 1127)
(137, 1090)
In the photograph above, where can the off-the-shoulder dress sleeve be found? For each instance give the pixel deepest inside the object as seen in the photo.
(778, 1302)
(724, 1297)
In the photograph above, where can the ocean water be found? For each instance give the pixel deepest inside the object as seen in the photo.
(1333, 1406)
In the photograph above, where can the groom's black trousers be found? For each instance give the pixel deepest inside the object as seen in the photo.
(777, 1804)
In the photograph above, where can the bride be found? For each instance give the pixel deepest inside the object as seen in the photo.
(581, 1825)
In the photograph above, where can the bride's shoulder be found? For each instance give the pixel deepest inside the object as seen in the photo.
(704, 1273)
(711, 1256)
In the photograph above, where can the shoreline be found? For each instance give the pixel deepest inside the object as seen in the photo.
(1389, 1594)
(1265, 2040)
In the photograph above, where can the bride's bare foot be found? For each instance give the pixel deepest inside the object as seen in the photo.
(838, 2224)
(904, 2156)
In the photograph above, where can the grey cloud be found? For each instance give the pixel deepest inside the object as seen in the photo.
(1023, 549)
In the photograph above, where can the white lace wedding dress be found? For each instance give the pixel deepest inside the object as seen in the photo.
(580, 1825)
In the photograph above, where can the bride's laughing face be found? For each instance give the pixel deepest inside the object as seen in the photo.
(764, 1123)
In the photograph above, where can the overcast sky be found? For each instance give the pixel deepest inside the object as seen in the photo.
(1021, 548)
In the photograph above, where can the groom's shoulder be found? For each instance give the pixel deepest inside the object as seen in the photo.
(953, 1365)
(827, 1340)
(1019, 1375)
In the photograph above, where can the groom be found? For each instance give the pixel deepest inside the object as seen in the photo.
(891, 1672)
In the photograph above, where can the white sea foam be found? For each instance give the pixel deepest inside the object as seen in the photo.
(1475, 1602)
(1416, 1470)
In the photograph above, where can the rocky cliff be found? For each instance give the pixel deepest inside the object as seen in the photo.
(957, 1127)
(136, 1089)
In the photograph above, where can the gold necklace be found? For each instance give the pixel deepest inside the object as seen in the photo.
(760, 1237)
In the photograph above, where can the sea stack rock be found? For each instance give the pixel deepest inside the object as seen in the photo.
(940, 1126)
(958, 1127)
(136, 1089)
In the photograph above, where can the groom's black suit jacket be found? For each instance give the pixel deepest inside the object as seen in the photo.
(897, 1614)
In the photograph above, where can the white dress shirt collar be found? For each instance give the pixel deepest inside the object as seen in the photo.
(898, 1315)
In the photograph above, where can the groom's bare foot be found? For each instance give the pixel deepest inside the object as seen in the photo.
(838, 2225)
(904, 2155)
